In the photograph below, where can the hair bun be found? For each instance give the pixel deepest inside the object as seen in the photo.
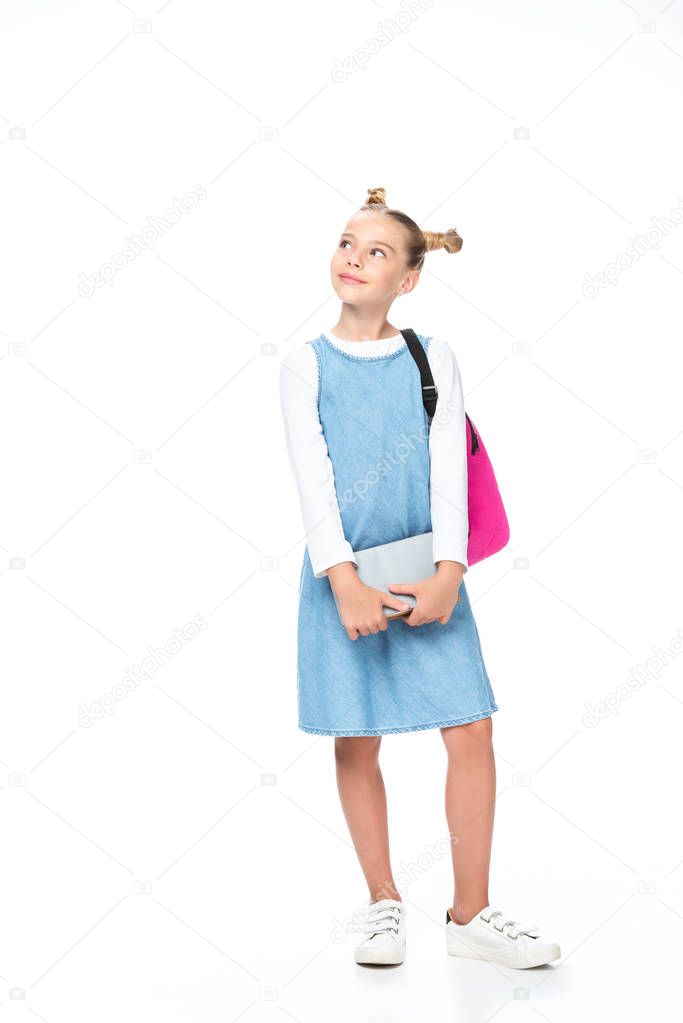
(376, 197)
(449, 240)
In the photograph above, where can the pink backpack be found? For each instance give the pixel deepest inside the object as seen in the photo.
(489, 530)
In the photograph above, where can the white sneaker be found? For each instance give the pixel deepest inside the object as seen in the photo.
(385, 929)
(490, 935)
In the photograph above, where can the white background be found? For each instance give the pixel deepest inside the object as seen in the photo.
(185, 856)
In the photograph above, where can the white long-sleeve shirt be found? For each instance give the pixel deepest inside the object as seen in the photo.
(314, 473)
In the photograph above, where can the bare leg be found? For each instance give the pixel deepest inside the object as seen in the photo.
(470, 803)
(363, 799)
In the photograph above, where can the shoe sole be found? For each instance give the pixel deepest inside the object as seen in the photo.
(370, 957)
(463, 952)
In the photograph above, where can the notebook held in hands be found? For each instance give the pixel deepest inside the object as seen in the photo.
(405, 561)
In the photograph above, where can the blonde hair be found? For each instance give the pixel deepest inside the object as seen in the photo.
(419, 242)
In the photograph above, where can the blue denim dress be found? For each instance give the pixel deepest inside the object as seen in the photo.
(405, 678)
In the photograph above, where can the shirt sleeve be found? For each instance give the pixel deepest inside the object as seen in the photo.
(448, 458)
(311, 463)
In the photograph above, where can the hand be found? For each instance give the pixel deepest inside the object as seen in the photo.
(436, 596)
(361, 607)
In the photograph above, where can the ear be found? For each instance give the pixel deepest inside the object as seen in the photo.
(409, 282)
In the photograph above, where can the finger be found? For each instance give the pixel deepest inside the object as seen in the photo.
(412, 588)
(396, 603)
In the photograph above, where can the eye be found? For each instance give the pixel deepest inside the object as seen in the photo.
(346, 241)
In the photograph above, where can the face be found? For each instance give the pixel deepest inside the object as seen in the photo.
(368, 266)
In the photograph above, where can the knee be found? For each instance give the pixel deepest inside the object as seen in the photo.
(357, 748)
(473, 740)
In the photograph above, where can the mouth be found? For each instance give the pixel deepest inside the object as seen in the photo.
(350, 279)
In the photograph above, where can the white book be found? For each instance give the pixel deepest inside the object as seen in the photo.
(401, 561)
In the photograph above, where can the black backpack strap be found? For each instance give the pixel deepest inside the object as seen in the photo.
(429, 391)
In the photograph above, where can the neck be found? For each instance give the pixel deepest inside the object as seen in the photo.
(360, 326)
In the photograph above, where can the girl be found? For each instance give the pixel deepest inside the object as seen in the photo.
(369, 472)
